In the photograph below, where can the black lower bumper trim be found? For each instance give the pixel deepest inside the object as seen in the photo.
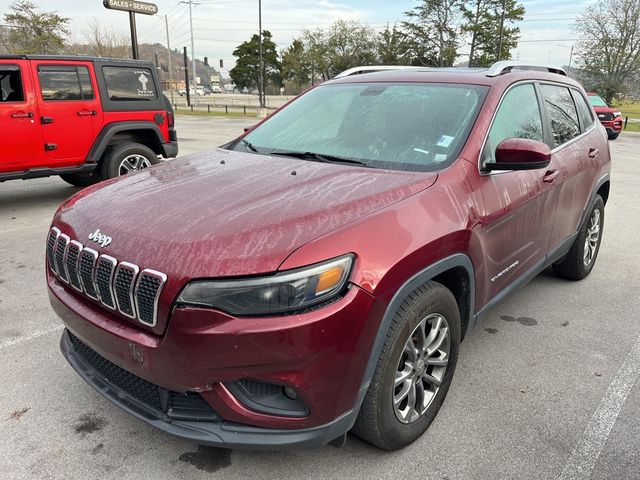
(214, 433)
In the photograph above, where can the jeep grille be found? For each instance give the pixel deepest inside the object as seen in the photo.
(118, 286)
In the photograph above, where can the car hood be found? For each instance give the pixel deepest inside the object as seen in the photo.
(604, 109)
(223, 213)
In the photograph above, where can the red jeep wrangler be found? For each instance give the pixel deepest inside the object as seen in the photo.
(85, 119)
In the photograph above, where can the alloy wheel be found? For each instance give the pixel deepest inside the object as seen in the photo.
(593, 237)
(132, 163)
(421, 369)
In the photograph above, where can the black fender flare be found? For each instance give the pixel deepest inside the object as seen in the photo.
(604, 178)
(109, 131)
(423, 276)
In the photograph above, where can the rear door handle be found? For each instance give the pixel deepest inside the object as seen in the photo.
(550, 176)
(593, 152)
(87, 113)
(22, 115)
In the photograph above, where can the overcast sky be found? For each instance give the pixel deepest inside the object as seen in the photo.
(220, 25)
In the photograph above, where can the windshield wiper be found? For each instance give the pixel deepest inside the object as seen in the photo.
(321, 157)
(249, 145)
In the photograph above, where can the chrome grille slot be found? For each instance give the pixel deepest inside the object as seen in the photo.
(119, 286)
(51, 246)
(73, 255)
(87, 265)
(148, 289)
(60, 251)
(105, 269)
(123, 287)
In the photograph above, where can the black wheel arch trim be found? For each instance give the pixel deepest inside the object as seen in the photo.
(168, 149)
(456, 260)
(604, 179)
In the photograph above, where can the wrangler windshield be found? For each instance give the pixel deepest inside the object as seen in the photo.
(404, 126)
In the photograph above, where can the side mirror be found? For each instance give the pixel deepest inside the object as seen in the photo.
(520, 154)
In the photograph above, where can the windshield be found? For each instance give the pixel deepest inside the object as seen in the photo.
(418, 127)
(596, 101)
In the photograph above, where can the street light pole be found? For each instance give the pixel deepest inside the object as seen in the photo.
(262, 95)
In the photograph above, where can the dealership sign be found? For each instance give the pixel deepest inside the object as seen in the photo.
(132, 6)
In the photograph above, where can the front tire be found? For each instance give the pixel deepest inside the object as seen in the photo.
(414, 371)
(583, 254)
(127, 158)
(613, 136)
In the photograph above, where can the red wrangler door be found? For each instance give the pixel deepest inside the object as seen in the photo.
(70, 111)
(20, 134)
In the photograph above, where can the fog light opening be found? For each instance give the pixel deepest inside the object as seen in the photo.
(291, 393)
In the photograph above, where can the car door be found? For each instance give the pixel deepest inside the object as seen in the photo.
(575, 153)
(518, 206)
(19, 129)
(69, 107)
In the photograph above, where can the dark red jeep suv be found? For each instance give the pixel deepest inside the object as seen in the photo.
(318, 274)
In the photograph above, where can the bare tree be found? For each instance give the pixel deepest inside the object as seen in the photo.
(106, 42)
(609, 47)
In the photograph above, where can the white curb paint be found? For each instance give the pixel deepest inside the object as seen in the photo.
(594, 437)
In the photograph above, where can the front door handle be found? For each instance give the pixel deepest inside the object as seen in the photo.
(22, 115)
(550, 176)
(87, 113)
(593, 152)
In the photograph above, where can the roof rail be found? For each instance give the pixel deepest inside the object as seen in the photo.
(375, 68)
(506, 66)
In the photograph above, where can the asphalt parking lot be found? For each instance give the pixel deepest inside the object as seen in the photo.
(546, 385)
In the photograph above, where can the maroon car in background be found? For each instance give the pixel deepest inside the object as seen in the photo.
(318, 274)
(610, 118)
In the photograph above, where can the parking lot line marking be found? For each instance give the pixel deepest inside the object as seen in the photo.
(586, 454)
(38, 333)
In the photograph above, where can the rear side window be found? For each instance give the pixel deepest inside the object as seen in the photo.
(562, 114)
(129, 84)
(65, 83)
(518, 117)
(584, 111)
(11, 84)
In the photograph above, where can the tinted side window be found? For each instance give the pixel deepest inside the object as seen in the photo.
(518, 117)
(562, 113)
(10, 84)
(85, 83)
(59, 83)
(129, 84)
(584, 110)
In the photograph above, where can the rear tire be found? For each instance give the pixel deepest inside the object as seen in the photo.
(414, 371)
(126, 158)
(81, 179)
(583, 254)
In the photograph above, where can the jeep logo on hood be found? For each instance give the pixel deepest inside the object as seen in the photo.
(100, 238)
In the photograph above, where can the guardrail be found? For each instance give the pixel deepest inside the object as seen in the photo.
(226, 109)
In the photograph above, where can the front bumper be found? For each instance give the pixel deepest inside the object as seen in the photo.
(613, 126)
(216, 432)
(322, 354)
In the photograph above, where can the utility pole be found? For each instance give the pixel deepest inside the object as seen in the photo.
(191, 3)
(262, 95)
(166, 24)
(186, 76)
(571, 56)
(504, 11)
